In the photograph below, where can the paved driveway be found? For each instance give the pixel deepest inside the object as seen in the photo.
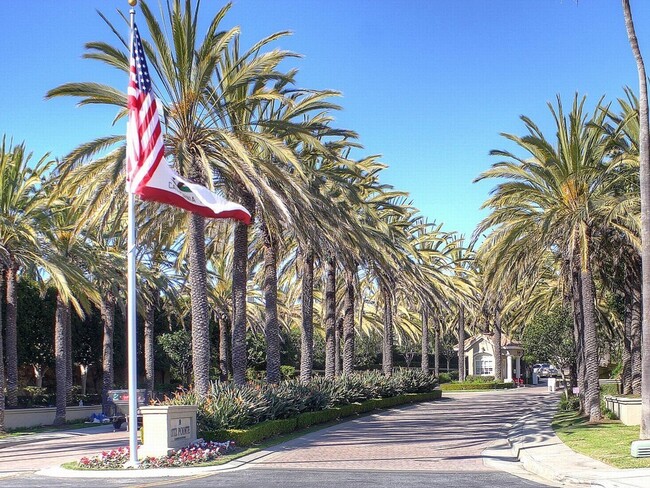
(445, 435)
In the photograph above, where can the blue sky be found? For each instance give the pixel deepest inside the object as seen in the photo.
(428, 84)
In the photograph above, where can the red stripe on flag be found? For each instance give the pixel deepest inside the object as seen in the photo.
(164, 196)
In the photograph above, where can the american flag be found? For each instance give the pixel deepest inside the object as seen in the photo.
(145, 148)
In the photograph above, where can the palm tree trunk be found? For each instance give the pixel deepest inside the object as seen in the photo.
(199, 304)
(307, 329)
(330, 317)
(149, 371)
(271, 326)
(498, 371)
(68, 356)
(2, 359)
(239, 280)
(224, 347)
(11, 331)
(461, 343)
(644, 172)
(424, 363)
(636, 341)
(578, 332)
(107, 310)
(626, 356)
(436, 348)
(60, 350)
(592, 393)
(387, 351)
(338, 352)
(348, 321)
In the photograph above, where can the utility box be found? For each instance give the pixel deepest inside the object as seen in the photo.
(535, 379)
(551, 384)
(167, 428)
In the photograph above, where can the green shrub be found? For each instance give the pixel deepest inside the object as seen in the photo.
(569, 404)
(254, 434)
(444, 378)
(287, 372)
(227, 406)
(307, 419)
(479, 379)
(476, 386)
(253, 374)
(609, 389)
(608, 414)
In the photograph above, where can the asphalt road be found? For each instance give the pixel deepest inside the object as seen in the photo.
(299, 478)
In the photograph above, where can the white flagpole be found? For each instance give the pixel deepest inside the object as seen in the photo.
(131, 314)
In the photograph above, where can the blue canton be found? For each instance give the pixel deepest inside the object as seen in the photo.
(142, 73)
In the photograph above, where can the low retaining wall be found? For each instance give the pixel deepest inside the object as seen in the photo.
(627, 409)
(34, 417)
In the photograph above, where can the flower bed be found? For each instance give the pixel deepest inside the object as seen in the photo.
(197, 453)
(251, 413)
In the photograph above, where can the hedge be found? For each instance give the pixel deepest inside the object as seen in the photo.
(475, 386)
(272, 428)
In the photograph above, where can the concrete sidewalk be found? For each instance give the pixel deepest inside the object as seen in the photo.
(534, 443)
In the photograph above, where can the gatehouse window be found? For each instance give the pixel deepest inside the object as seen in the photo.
(483, 364)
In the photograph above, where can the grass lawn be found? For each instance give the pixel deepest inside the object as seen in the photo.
(608, 441)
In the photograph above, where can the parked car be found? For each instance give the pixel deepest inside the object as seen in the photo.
(545, 370)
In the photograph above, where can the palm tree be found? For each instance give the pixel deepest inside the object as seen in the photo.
(2, 360)
(22, 207)
(70, 248)
(550, 200)
(185, 67)
(644, 165)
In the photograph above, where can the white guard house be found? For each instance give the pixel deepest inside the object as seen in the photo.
(479, 357)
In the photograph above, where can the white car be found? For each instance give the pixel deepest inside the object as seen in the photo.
(545, 370)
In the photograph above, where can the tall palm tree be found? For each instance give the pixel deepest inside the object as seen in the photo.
(551, 200)
(22, 205)
(2, 361)
(644, 164)
(185, 65)
(67, 245)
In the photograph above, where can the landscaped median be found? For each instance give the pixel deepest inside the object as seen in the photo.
(246, 415)
(271, 428)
